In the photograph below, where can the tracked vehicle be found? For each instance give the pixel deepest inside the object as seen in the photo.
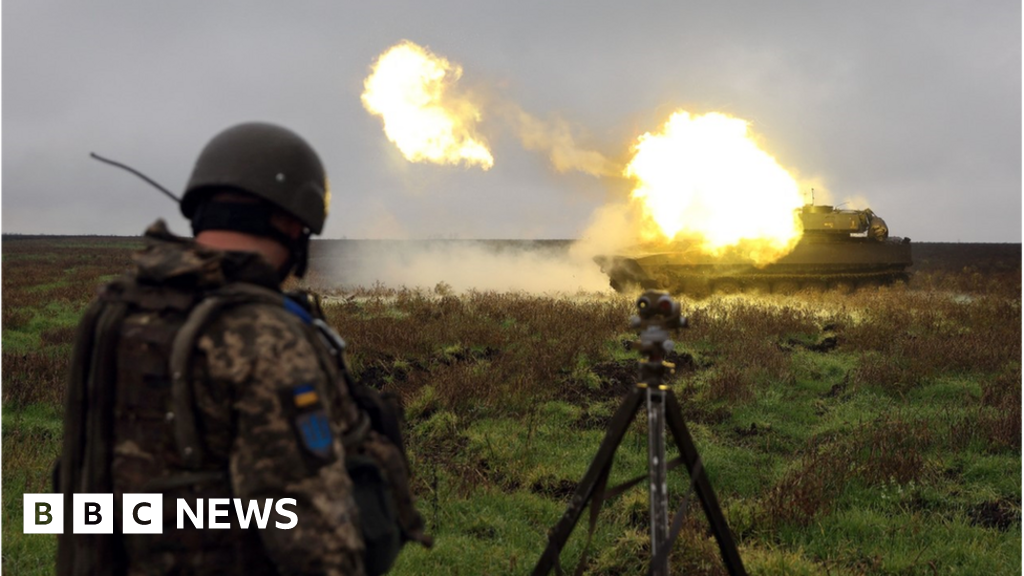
(840, 249)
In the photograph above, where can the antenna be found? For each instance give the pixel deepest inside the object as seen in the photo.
(137, 173)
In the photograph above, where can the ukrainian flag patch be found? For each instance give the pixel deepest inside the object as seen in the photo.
(305, 395)
(311, 421)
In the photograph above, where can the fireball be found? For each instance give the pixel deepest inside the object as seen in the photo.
(413, 91)
(704, 179)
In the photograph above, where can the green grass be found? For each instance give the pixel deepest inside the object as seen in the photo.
(31, 443)
(49, 286)
(885, 541)
(991, 475)
(49, 316)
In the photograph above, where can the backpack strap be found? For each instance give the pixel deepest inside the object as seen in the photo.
(186, 433)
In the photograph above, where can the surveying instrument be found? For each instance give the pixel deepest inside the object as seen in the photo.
(657, 316)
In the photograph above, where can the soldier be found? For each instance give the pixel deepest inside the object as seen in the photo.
(194, 377)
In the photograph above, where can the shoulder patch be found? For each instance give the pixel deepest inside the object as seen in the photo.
(315, 431)
(305, 395)
(311, 421)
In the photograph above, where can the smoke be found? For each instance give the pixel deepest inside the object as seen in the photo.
(813, 189)
(822, 195)
(429, 117)
(555, 139)
(856, 202)
(611, 227)
(540, 267)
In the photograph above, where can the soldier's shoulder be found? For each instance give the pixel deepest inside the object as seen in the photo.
(256, 322)
(173, 261)
(258, 340)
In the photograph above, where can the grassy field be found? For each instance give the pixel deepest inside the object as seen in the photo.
(877, 432)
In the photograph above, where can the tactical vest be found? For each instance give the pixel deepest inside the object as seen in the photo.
(131, 382)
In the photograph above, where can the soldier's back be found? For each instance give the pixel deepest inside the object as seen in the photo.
(222, 427)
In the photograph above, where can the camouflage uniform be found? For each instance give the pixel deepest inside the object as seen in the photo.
(247, 367)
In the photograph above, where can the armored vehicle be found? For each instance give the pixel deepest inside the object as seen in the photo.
(840, 249)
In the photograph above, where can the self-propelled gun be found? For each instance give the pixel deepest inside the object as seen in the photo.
(839, 248)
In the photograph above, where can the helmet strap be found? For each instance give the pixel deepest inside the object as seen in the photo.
(300, 254)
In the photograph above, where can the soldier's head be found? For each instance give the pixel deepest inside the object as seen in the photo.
(262, 185)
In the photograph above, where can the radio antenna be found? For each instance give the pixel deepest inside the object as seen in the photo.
(137, 173)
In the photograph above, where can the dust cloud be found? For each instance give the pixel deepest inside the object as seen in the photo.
(538, 267)
(611, 227)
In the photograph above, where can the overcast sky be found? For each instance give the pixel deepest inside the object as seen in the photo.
(914, 106)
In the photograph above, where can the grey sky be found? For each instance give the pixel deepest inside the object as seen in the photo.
(914, 106)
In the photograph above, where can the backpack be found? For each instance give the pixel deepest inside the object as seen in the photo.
(375, 455)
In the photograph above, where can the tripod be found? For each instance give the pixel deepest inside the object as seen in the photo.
(658, 314)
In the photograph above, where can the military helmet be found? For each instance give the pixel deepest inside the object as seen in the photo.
(267, 161)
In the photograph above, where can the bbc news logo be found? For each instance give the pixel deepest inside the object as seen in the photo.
(143, 513)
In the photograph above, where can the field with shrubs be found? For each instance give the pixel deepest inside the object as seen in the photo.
(874, 432)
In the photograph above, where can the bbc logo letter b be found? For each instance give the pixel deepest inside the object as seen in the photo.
(44, 514)
(93, 514)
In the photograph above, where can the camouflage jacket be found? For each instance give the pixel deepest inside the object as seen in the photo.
(258, 374)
